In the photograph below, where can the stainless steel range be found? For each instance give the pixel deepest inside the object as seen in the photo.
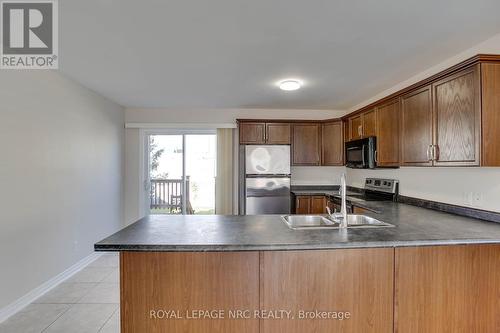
(376, 189)
(379, 189)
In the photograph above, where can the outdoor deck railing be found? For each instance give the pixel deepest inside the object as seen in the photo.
(166, 195)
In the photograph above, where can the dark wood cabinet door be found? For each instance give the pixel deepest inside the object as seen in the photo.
(490, 104)
(359, 281)
(306, 148)
(318, 205)
(416, 127)
(277, 133)
(332, 144)
(447, 289)
(369, 123)
(359, 210)
(303, 204)
(457, 119)
(347, 131)
(388, 134)
(356, 127)
(252, 133)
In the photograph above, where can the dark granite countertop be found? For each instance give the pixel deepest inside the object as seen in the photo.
(414, 226)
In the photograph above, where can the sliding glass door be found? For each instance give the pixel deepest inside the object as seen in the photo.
(181, 171)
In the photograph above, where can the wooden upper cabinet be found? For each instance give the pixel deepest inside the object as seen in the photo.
(457, 118)
(252, 133)
(490, 91)
(347, 131)
(388, 137)
(363, 125)
(277, 133)
(369, 127)
(416, 127)
(356, 127)
(306, 145)
(264, 133)
(332, 144)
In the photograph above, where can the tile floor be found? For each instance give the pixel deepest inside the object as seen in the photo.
(88, 302)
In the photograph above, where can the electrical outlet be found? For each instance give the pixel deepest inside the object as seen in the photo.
(478, 199)
(464, 198)
(468, 198)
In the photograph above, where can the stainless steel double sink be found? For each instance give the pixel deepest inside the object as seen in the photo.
(305, 222)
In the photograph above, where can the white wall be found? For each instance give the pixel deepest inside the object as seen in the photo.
(222, 115)
(61, 176)
(489, 46)
(448, 185)
(313, 175)
(442, 184)
(133, 145)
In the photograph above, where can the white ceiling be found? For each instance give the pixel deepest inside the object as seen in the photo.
(229, 53)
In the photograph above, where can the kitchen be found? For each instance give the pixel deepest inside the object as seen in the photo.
(250, 167)
(393, 255)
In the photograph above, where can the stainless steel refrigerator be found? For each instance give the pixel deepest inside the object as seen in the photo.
(267, 179)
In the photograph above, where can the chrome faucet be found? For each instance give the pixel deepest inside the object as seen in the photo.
(343, 207)
(341, 217)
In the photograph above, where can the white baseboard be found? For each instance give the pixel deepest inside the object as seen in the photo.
(27, 299)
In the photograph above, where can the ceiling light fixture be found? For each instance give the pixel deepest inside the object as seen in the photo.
(290, 85)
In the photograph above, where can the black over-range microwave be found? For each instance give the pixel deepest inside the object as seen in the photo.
(361, 154)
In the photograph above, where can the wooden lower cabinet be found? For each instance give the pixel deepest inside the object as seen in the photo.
(358, 281)
(318, 205)
(426, 289)
(310, 204)
(185, 281)
(447, 289)
(359, 210)
(303, 204)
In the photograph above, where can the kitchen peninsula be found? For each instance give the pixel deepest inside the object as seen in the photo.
(432, 272)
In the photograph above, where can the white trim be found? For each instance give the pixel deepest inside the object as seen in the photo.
(31, 296)
(180, 125)
(143, 173)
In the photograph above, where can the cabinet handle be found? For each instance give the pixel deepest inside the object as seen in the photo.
(435, 152)
(376, 156)
(429, 153)
(363, 154)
